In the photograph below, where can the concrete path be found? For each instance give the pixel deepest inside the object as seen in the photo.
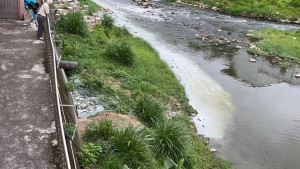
(27, 127)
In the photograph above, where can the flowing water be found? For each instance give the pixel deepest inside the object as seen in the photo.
(248, 110)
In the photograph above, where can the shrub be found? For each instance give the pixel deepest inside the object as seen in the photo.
(70, 128)
(121, 31)
(72, 23)
(171, 139)
(99, 130)
(150, 110)
(92, 82)
(132, 144)
(107, 21)
(295, 3)
(70, 86)
(121, 52)
(112, 161)
(93, 151)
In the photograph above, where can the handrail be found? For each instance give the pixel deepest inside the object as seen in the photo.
(57, 99)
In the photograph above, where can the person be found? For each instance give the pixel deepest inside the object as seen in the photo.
(43, 12)
(32, 5)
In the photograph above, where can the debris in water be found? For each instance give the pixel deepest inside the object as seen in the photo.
(252, 60)
(213, 150)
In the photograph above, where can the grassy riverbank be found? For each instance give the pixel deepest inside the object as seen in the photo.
(268, 9)
(274, 42)
(126, 74)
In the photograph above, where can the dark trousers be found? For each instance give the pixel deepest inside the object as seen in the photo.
(41, 28)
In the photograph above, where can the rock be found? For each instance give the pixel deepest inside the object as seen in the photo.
(72, 4)
(178, 1)
(252, 60)
(85, 6)
(249, 35)
(238, 47)
(70, 8)
(144, 26)
(215, 8)
(98, 20)
(193, 114)
(297, 75)
(213, 150)
(220, 30)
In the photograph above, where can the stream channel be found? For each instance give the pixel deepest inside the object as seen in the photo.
(249, 110)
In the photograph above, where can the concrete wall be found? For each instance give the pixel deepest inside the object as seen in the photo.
(12, 9)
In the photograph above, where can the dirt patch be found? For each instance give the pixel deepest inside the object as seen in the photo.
(117, 119)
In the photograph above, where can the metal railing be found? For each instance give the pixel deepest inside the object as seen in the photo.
(65, 109)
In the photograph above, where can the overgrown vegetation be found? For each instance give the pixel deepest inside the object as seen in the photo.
(93, 7)
(143, 85)
(72, 23)
(273, 9)
(279, 43)
(150, 110)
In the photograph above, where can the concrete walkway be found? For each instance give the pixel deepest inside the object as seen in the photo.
(27, 127)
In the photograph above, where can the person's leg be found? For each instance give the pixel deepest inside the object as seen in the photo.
(40, 31)
(43, 27)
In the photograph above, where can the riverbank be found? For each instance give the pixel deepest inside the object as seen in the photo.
(283, 11)
(124, 74)
(276, 43)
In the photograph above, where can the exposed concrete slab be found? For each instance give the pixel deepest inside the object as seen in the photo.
(27, 126)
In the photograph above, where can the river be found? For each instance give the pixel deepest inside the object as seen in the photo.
(250, 111)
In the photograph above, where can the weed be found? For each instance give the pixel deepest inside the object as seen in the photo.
(132, 144)
(120, 51)
(70, 128)
(99, 130)
(284, 64)
(150, 110)
(171, 139)
(93, 151)
(73, 23)
(70, 86)
(107, 21)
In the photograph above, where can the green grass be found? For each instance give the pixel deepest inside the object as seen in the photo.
(121, 52)
(150, 110)
(93, 7)
(107, 21)
(132, 144)
(99, 130)
(172, 139)
(120, 88)
(274, 9)
(279, 43)
(72, 23)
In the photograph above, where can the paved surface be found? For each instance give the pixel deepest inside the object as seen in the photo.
(27, 127)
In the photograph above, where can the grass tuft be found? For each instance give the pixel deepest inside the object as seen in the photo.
(171, 139)
(72, 23)
(107, 21)
(132, 144)
(99, 130)
(121, 52)
(150, 110)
